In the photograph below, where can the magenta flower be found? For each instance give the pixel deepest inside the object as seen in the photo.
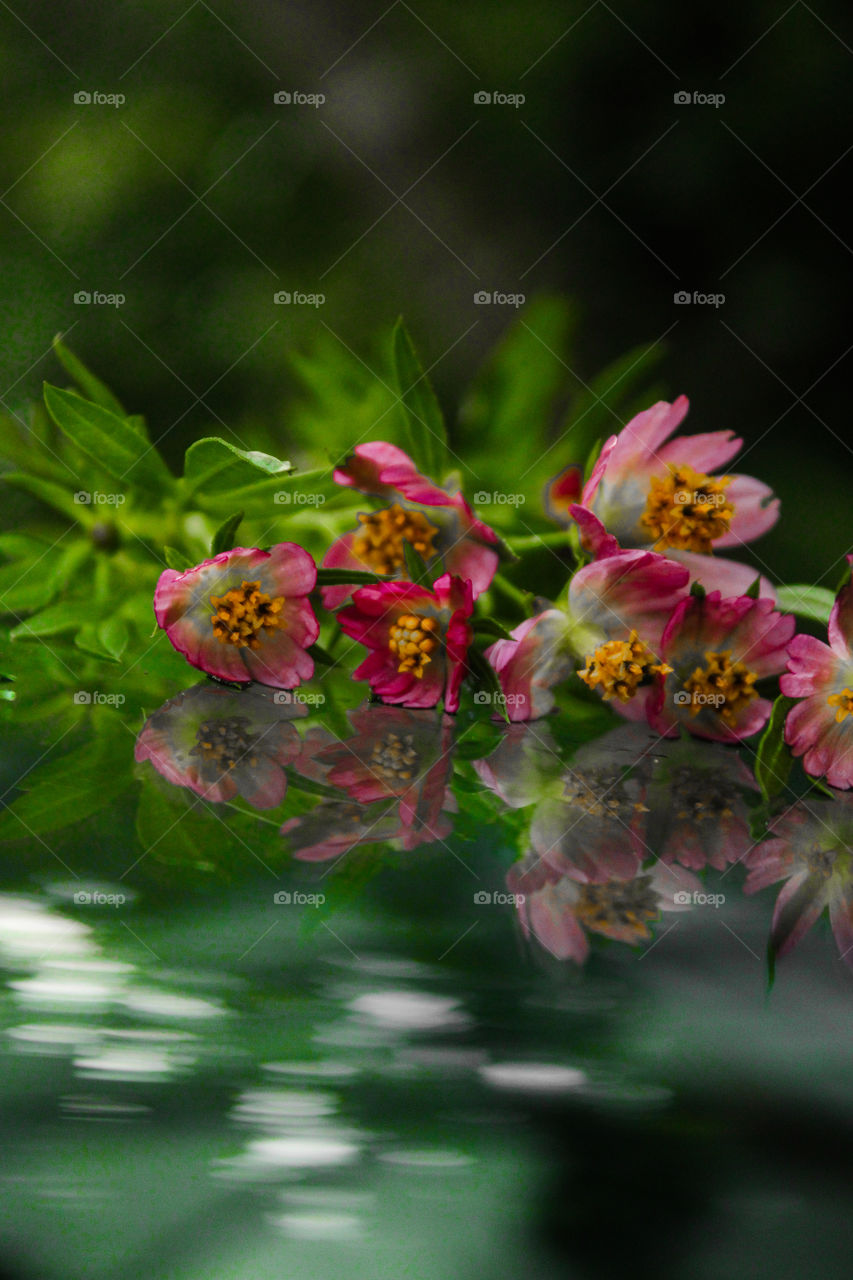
(649, 491)
(447, 534)
(244, 615)
(401, 755)
(221, 743)
(418, 639)
(822, 675)
(811, 849)
(716, 651)
(531, 663)
(558, 911)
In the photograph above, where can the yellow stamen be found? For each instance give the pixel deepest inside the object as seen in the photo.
(380, 543)
(723, 685)
(244, 613)
(687, 510)
(619, 667)
(395, 758)
(411, 640)
(843, 702)
(618, 908)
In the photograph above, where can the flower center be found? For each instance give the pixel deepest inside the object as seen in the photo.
(380, 543)
(843, 702)
(821, 862)
(619, 667)
(619, 906)
(243, 613)
(412, 641)
(697, 796)
(395, 758)
(724, 685)
(225, 744)
(687, 510)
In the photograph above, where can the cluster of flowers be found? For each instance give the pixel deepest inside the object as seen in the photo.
(664, 629)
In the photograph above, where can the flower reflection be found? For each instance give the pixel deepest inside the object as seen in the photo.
(811, 849)
(221, 743)
(395, 772)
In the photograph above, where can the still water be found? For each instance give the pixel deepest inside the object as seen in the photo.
(368, 992)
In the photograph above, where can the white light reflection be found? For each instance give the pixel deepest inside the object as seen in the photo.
(405, 1010)
(533, 1077)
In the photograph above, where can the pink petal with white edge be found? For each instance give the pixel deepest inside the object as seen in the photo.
(710, 451)
(551, 920)
(639, 440)
(593, 535)
(812, 668)
(841, 621)
(800, 902)
(729, 577)
(756, 511)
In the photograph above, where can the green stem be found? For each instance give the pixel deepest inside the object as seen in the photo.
(510, 590)
(562, 538)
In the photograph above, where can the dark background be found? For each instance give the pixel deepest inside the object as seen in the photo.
(600, 187)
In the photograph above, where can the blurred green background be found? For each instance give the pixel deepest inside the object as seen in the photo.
(200, 197)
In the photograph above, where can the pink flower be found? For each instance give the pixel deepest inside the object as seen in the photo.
(650, 491)
(221, 743)
(822, 675)
(418, 639)
(400, 755)
(447, 534)
(716, 651)
(812, 851)
(531, 663)
(244, 615)
(558, 911)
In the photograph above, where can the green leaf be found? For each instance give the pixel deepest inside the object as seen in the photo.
(343, 577)
(485, 681)
(176, 560)
(67, 790)
(754, 589)
(170, 829)
(416, 566)
(64, 616)
(488, 627)
(54, 495)
(806, 602)
(89, 384)
(426, 434)
(223, 539)
(773, 760)
(113, 635)
(213, 466)
(697, 590)
(89, 639)
(108, 441)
